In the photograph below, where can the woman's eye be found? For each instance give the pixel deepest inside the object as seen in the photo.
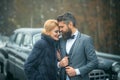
(57, 31)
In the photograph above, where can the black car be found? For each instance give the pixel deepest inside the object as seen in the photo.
(108, 67)
(17, 49)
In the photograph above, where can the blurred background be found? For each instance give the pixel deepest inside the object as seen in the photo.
(97, 18)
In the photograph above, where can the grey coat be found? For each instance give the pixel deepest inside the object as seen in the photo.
(83, 56)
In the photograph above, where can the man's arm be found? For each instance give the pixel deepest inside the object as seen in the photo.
(91, 57)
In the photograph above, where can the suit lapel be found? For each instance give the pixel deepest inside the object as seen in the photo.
(76, 44)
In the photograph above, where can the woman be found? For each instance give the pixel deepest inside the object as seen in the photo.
(42, 62)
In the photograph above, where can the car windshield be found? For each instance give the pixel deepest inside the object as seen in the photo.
(36, 37)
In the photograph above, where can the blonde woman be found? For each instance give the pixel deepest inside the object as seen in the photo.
(42, 62)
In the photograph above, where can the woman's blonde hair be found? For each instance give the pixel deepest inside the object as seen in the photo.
(49, 25)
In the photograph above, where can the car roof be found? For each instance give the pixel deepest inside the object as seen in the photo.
(29, 30)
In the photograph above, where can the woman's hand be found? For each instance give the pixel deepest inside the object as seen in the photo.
(64, 62)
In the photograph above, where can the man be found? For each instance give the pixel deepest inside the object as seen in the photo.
(77, 50)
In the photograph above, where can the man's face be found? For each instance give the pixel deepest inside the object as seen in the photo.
(66, 31)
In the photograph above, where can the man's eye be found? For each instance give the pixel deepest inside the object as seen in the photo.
(61, 26)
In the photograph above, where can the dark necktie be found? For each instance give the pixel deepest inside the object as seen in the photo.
(72, 37)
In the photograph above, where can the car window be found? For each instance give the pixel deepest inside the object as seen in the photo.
(12, 37)
(36, 37)
(18, 38)
(27, 40)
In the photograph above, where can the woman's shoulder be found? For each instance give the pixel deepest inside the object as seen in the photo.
(41, 43)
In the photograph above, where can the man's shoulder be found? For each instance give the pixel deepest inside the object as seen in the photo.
(85, 36)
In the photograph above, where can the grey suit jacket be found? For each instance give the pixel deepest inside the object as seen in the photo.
(83, 56)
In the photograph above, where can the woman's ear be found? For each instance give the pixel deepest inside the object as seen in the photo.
(48, 33)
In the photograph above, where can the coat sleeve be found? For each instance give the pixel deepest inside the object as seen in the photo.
(33, 61)
(91, 57)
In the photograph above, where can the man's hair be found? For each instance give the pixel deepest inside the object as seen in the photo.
(67, 17)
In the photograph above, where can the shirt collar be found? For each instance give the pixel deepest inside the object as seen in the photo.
(76, 33)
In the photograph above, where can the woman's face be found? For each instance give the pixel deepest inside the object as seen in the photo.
(55, 33)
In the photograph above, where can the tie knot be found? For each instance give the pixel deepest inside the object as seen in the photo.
(72, 37)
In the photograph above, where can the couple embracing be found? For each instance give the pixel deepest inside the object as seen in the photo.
(69, 57)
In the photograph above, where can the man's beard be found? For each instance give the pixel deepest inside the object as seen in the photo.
(67, 35)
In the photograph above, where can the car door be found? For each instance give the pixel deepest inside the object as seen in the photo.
(13, 50)
(22, 55)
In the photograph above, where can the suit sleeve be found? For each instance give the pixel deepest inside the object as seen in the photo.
(33, 61)
(91, 57)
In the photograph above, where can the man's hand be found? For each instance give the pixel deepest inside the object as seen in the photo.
(70, 71)
(64, 62)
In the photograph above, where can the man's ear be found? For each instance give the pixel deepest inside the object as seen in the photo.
(70, 24)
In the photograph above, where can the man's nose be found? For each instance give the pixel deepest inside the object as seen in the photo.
(60, 30)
